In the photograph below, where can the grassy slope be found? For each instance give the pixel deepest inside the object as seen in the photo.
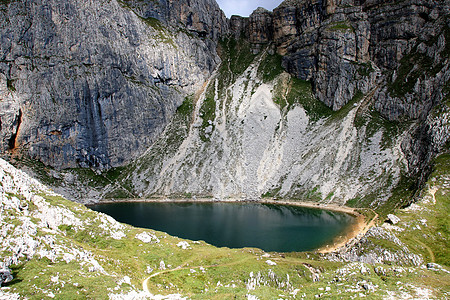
(426, 224)
(204, 271)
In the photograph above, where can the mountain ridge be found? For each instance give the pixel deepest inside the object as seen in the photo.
(104, 102)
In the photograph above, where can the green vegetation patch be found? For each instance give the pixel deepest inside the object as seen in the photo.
(427, 227)
(412, 67)
(290, 91)
(34, 278)
(208, 113)
(363, 69)
(343, 112)
(90, 177)
(236, 57)
(341, 26)
(270, 67)
(375, 122)
(272, 193)
(10, 85)
(402, 194)
(186, 108)
(301, 92)
(155, 23)
(42, 172)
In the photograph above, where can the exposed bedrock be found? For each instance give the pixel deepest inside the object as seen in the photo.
(93, 82)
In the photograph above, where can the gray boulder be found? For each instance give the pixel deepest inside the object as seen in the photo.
(5, 276)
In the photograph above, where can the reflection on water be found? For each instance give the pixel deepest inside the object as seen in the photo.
(236, 225)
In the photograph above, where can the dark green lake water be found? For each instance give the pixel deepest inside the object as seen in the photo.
(236, 225)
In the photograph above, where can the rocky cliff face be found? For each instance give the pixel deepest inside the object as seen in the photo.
(396, 50)
(252, 146)
(344, 47)
(201, 17)
(92, 84)
(79, 91)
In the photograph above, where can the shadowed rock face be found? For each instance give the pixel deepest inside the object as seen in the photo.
(260, 27)
(94, 83)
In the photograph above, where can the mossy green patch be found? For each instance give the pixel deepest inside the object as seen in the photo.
(34, 279)
(412, 67)
(344, 111)
(270, 67)
(374, 122)
(42, 172)
(155, 23)
(236, 57)
(272, 193)
(10, 85)
(341, 26)
(363, 69)
(300, 92)
(208, 113)
(186, 108)
(91, 177)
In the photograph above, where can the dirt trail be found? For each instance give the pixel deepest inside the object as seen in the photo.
(430, 252)
(184, 267)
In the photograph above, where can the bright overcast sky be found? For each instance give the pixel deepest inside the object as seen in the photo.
(245, 7)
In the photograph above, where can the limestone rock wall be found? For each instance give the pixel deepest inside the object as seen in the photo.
(92, 84)
(239, 26)
(296, 36)
(397, 50)
(259, 148)
(343, 47)
(202, 17)
(260, 28)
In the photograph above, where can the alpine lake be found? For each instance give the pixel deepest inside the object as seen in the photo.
(270, 227)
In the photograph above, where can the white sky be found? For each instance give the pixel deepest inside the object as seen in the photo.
(245, 7)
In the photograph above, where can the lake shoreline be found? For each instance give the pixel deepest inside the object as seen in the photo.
(358, 228)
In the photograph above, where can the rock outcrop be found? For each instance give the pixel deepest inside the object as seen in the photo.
(343, 47)
(201, 17)
(5, 276)
(92, 84)
(260, 28)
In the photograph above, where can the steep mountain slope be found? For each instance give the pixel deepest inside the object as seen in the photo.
(93, 84)
(326, 101)
(249, 137)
